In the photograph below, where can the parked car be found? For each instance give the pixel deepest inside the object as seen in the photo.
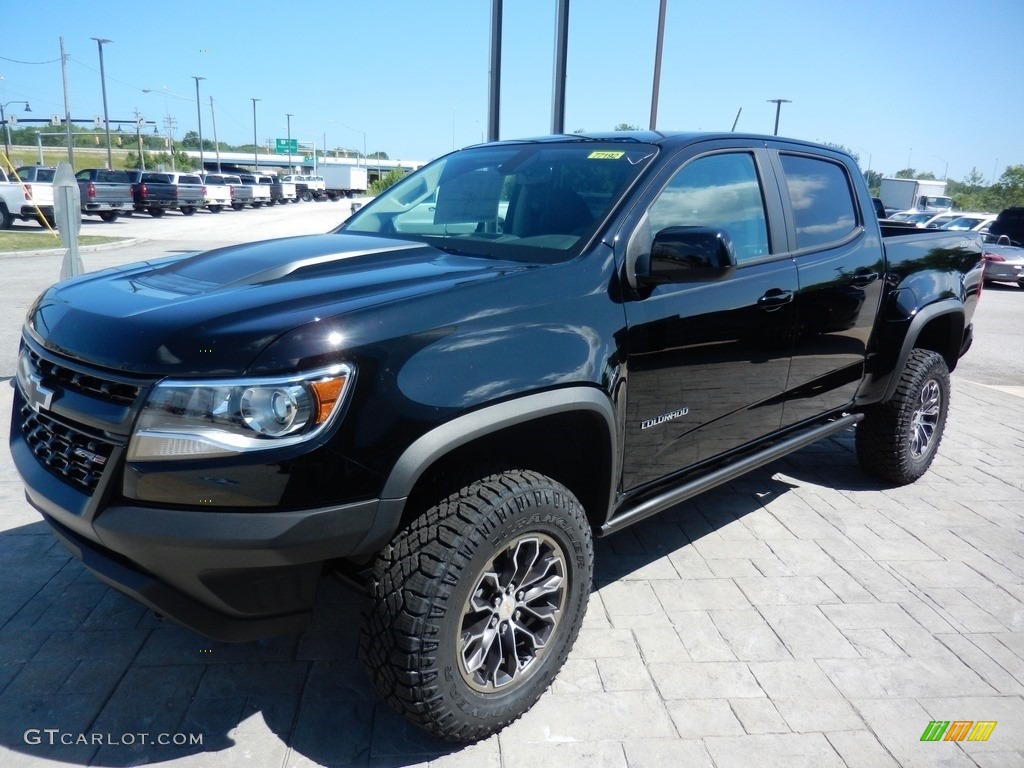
(260, 191)
(36, 196)
(939, 219)
(1004, 248)
(457, 410)
(282, 191)
(970, 222)
(241, 193)
(217, 193)
(913, 216)
(105, 193)
(156, 192)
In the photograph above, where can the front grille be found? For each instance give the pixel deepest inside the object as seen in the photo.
(76, 457)
(56, 375)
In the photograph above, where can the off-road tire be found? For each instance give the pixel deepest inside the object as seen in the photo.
(427, 587)
(897, 440)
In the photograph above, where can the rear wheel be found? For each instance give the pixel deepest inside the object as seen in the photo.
(156, 213)
(109, 215)
(897, 440)
(237, 206)
(216, 208)
(307, 196)
(477, 604)
(257, 205)
(188, 210)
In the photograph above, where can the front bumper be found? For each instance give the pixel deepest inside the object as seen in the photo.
(233, 574)
(230, 576)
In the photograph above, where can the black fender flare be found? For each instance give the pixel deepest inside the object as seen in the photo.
(921, 319)
(433, 445)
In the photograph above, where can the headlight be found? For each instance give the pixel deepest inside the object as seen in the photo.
(223, 417)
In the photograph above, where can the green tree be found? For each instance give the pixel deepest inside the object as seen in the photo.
(389, 179)
(874, 181)
(905, 173)
(626, 127)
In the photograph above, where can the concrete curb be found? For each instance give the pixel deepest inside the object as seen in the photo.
(124, 243)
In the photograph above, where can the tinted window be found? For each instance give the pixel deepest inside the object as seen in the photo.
(822, 200)
(720, 191)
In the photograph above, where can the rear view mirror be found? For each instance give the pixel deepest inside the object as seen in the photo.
(685, 254)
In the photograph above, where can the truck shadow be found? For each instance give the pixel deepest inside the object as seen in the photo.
(90, 677)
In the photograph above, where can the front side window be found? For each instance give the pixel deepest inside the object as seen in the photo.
(720, 191)
(822, 200)
(525, 202)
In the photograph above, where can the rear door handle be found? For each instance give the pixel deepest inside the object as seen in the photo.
(774, 299)
(862, 277)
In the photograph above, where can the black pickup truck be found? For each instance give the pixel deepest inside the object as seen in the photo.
(518, 347)
(105, 193)
(156, 192)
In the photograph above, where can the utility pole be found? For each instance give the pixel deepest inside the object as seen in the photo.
(216, 144)
(169, 124)
(103, 87)
(289, 115)
(138, 138)
(657, 65)
(778, 109)
(255, 141)
(199, 121)
(561, 59)
(67, 102)
(494, 98)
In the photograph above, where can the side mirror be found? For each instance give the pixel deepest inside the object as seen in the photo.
(688, 254)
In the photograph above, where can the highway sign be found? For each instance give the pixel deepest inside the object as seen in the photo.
(284, 147)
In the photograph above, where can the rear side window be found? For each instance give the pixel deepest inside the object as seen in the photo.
(822, 200)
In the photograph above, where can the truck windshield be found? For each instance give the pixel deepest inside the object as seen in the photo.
(525, 202)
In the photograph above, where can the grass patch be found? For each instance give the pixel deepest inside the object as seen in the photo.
(39, 241)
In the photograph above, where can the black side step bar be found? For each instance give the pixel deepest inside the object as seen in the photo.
(670, 498)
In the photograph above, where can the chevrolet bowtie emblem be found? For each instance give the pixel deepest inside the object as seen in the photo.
(38, 396)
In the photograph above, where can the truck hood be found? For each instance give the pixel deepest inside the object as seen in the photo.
(212, 313)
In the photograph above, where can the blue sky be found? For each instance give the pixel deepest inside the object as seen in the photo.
(937, 84)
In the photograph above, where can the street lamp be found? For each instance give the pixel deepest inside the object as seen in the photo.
(945, 173)
(778, 109)
(7, 128)
(199, 121)
(255, 141)
(103, 87)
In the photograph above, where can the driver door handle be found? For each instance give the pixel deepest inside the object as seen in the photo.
(774, 299)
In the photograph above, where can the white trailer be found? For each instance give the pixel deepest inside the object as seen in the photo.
(342, 180)
(919, 194)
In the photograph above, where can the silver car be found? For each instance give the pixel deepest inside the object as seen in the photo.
(1004, 263)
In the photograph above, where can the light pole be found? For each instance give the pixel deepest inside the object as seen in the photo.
(255, 141)
(778, 110)
(216, 142)
(289, 115)
(945, 173)
(7, 128)
(103, 87)
(199, 122)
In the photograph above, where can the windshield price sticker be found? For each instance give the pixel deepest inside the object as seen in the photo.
(605, 155)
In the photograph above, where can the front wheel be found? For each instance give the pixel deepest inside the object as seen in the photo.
(897, 440)
(477, 603)
(6, 218)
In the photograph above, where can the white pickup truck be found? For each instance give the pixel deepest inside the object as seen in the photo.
(260, 191)
(28, 197)
(216, 193)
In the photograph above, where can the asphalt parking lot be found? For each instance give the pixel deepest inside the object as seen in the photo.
(800, 616)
